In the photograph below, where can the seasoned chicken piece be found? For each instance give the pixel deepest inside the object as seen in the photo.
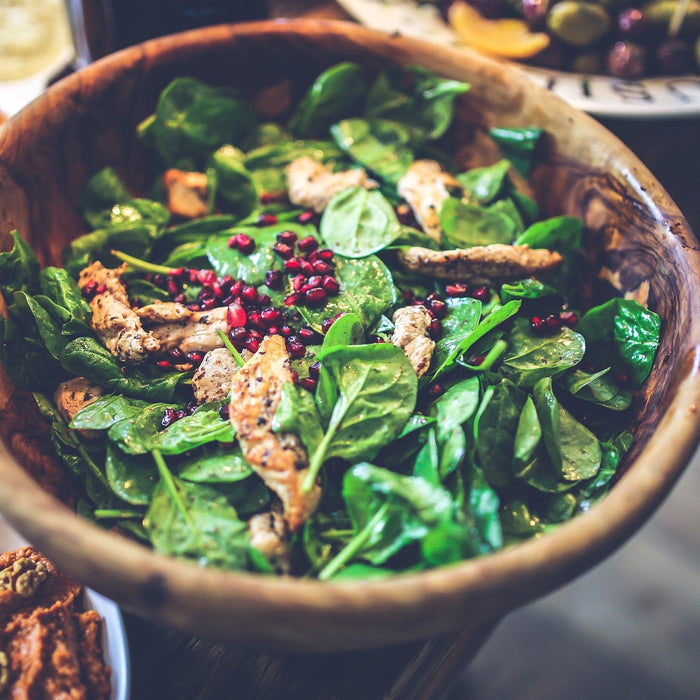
(481, 264)
(72, 396)
(117, 325)
(164, 312)
(279, 458)
(187, 193)
(425, 186)
(311, 184)
(411, 324)
(212, 380)
(196, 332)
(269, 535)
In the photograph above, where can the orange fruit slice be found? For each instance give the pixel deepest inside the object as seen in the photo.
(508, 38)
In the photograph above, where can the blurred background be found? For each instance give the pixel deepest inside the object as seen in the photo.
(630, 628)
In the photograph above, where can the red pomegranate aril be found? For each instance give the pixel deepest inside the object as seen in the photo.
(307, 244)
(173, 289)
(226, 282)
(326, 254)
(435, 390)
(435, 329)
(283, 250)
(256, 333)
(177, 272)
(255, 320)
(306, 217)
(177, 355)
(538, 324)
(195, 357)
(168, 417)
(249, 294)
(266, 220)
(273, 330)
(285, 331)
(433, 296)
(316, 280)
(180, 298)
(245, 243)
(477, 360)
(480, 294)
(321, 267)
(328, 322)
(158, 280)
(238, 336)
(164, 364)
(315, 370)
(236, 288)
(293, 299)
(295, 347)
(287, 237)
(274, 279)
(298, 281)
(295, 376)
(306, 288)
(191, 275)
(206, 276)
(101, 289)
(308, 384)
(264, 299)
(292, 266)
(438, 307)
(208, 303)
(315, 297)
(89, 289)
(194, 306)
(305, 267)
(569, 318)
(456, 290)
(308, 336)
(331, 285)
(270, 315)
(180, 413)
(553, 322)
(233, 241)
(224, 411)
(252, 344)
(312, 257)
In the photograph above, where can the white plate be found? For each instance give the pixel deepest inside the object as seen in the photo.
(113, 634)
(601, 95)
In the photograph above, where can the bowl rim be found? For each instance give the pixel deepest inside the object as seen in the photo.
(265, 612)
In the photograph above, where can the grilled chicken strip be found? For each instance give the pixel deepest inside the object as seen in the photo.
(481, 264)
(117, 325)
(269, 535)
(411, 324)
(425, 186)
(311, 184)
(212, 380)
(175, 326)
(72, 396)
(279, 458)
(187, 193)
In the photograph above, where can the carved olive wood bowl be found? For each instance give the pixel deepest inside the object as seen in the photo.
(87, 121)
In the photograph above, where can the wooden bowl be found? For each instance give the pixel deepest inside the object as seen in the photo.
(87, 121)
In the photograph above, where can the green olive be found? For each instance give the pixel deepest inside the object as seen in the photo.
(659, 13)
(578, 23)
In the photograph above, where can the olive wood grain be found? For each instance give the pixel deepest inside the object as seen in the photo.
(635, 231)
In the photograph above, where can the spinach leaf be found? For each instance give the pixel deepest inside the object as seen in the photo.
(336, 93)
(222, 466)
(530, 357)
(234, 183)
(598, 388)
(60, 288)
(527, 435)
(103, 190)
(132, 477)
(486, 184)
(19, 268)
(621, 333)
(381, 146)
(105, 411)
(358, 222)
(518, 145)
(560, 233)
(192, 120)
(136, 434)
(462, 318)
(296, 413)
(574, 450)
(366, 289)
(376, 389)
(203, 426)
(37, 323)
(529, 288)
(467, 225)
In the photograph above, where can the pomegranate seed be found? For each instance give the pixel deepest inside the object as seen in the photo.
(164, 364)
(266, 220)
(255, 333)
(158, 280)
(270, 315)
(226, 283)
(315, 370)
(435, 390)
(264, 299)
(306, 217)
(177, 272)
(295, 347)
(435, 329)
(330, 284)
(285, 331)
(238, 336)
(180, 413)
(283, 250)
(308, 384)
(298, 281)
(89, 289)
(180, 298)
(477, 360)
(252, 344)
(177, 356)
(480, 294)
(245, 243)
(315, 280)
(195, 356)
(438, 307)
(288, 238)
(192, 275)
(295, 376)
(193, 306)
(293, 299)
(236, 288)
(224, 411)
(208, 303)
(168, 417)
(305, 267)
(307, 244)
(433, 296)
(537, 324)
(321, 267)
(568, 318)
(255, 320)
(293, 265)
(274, 279)
(306, 288)
(312, 257)
(326, 254)
(315, 297)
(456, 290)
(206, 276)
(173, 289)
(249, 294)
(273, 330)
(233, 241)
(553, 322)
(308, 335)
(236, 316)
(328, 322)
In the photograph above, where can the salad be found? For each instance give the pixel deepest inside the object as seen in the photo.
(319, 347)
